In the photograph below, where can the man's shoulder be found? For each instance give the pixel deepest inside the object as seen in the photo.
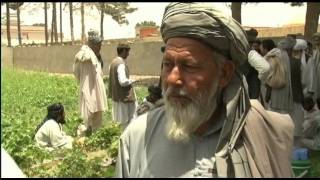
(51, 123)
(274, 119)
(116, 61)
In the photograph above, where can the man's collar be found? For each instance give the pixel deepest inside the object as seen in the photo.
(125, 60)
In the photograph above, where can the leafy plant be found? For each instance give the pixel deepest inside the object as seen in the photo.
(24, 98)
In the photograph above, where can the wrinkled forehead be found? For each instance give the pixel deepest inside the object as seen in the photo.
(188, 46)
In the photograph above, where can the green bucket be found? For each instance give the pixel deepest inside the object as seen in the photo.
(301, 168)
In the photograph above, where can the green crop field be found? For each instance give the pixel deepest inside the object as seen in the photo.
(24, 98)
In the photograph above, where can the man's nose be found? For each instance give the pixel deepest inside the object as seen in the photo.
(175, 77)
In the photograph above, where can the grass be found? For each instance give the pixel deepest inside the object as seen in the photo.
(24, 98)
(315, 161)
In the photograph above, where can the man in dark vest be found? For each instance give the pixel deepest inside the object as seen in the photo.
(120, 88)
(256, 68)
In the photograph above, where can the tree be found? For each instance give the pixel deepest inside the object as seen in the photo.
(236, 11)
(16, 6)
(54, 15)
(312, 18)
(102, 16)
(82, 24)
(19, 26)
(8, 25)
(117, 11)
(71, 21)
(61, 22)
(46, 22)
(52, 25)
(54, 32)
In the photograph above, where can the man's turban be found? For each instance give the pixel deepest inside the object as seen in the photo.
(207, 24)
(93, 37)
(287, 43)
(300, 45)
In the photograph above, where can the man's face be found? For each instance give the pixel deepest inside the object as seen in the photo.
(256, 46)
(62, 118)
(263, 50)
(152, 98)
(297, 54)
(125, 53)
(190, 81)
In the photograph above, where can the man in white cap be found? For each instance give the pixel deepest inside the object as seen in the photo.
(207, 126)
(87, 69)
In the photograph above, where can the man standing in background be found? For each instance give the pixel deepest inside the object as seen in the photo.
(88, 71)
(120, 88)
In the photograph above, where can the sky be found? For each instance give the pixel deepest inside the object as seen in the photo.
(253, 14)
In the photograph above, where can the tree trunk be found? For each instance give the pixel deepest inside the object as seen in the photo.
(82, 24)
(236, 11)
(101, 22)
(8, 25)
(61, 23)
(71, 22)
(19, 27)
(52, 25)
(46, 23)
(312, 18)
(55, 23)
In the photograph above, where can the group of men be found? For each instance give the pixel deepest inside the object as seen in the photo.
(93, 96)
(210, 123)
(285, 77)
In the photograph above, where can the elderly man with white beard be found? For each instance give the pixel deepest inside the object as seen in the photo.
(207, 126)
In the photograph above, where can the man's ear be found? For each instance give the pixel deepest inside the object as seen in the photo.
(227, 72)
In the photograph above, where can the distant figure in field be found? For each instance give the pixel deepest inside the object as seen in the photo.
(153, 100)
(87, 69)
(49, 133)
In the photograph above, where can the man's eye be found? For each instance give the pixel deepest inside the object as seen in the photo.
(167, 64)
(190, 67)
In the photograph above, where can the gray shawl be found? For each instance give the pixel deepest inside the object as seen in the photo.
(281, 99)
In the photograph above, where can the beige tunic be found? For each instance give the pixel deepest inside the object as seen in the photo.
(93, 98)
(50, 134)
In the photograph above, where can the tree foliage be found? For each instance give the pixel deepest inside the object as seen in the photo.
(116, 10)
(15, 6)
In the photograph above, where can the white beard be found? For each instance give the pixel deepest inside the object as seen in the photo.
(183, 120)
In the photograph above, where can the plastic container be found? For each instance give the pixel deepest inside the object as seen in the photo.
(301, 168)
(300, 154)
